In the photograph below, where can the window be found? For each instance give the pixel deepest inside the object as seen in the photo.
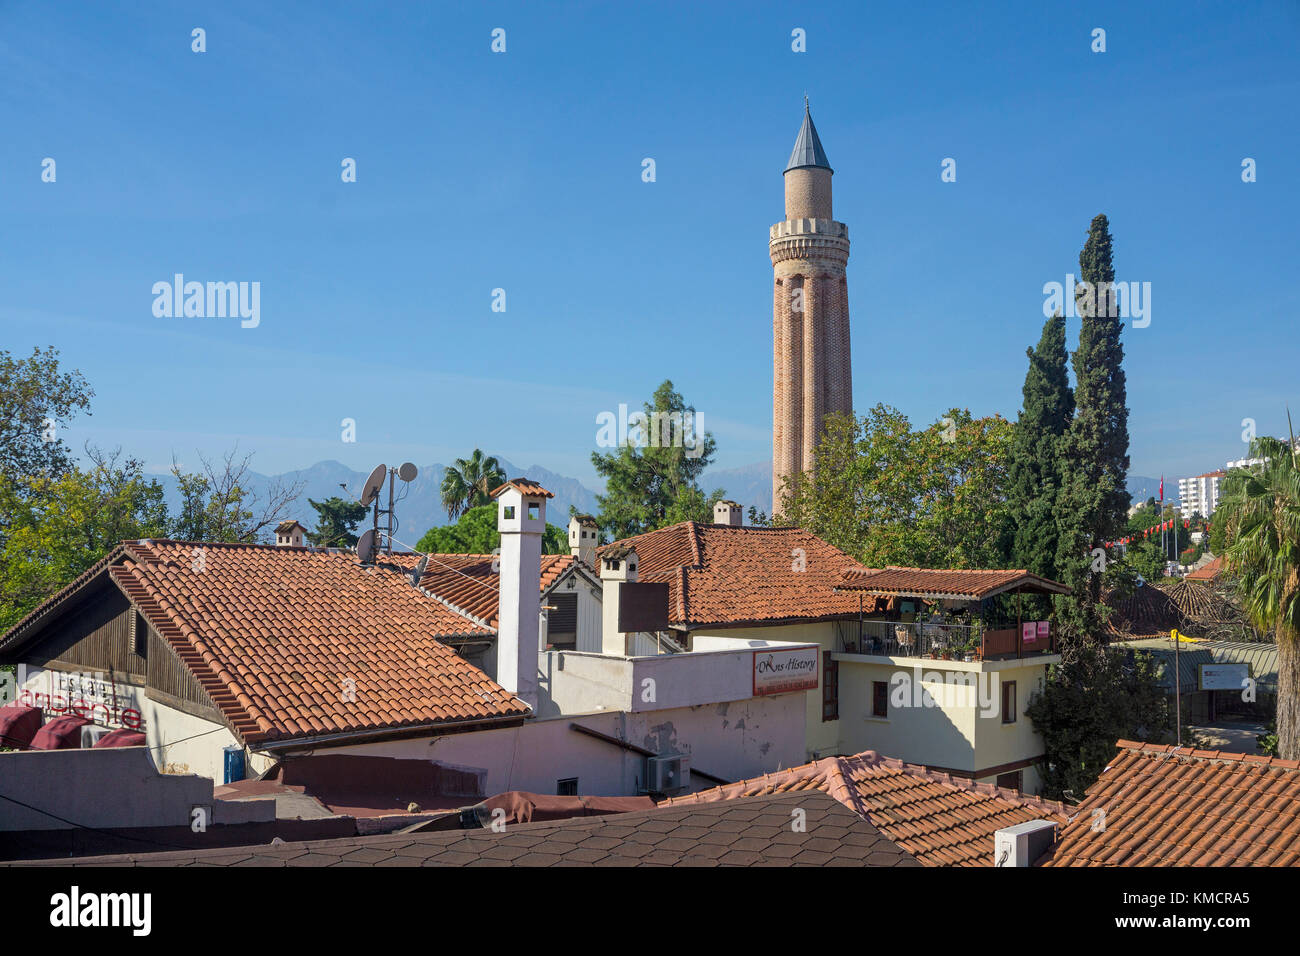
(1011, 780)
(1009, 702)
(534, 510)
(139, 634)
(562, 621)
(830, 688)
(508, 512)
(880, 698)
(568, 787)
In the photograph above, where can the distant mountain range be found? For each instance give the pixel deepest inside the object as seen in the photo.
(419, 505)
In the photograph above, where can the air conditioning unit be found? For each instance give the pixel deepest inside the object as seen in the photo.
(668, 774)
(90, 735)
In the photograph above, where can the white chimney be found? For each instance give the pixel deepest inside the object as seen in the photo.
(1023, 843)
(288, 534)
(583, 532)
(617, 566)
(521, 519)
(728, 513)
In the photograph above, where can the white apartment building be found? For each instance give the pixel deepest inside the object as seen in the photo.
(1200, 494)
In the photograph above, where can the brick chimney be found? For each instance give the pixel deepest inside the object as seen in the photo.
(728, 513)
(617, 566)
(521, 519)
(583, 533)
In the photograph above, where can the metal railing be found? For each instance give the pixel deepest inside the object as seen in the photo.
(917, 639)
(924, 639)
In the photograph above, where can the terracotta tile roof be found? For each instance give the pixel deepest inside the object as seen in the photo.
(974, 585)
(723, 574)
(466, 582)
(1148, 611)
(940, 819)
(273, 633)
(1165, 806)
(1206, 572)
(284, 527)
(754, 832)
(525, 486)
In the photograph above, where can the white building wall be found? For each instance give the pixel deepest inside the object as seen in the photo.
(823, 737)
(178, 742)
(732, 740)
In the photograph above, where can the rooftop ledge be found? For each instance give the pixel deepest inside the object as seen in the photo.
(930, 663)
(809, 227)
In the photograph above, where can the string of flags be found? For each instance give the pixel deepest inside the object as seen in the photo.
(1167, 525)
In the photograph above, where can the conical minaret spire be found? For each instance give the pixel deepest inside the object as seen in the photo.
(808, 150)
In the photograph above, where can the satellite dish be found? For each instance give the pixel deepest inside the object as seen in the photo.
(407, 471)
(419, 569)
(370, 490)
(366, 546)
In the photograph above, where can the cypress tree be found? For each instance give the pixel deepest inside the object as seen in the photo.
(1095, 501)
(1036, 474)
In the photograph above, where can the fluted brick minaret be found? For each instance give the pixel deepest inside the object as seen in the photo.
(812, 375)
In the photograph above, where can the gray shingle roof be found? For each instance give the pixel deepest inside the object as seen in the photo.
(808, 147)
(757, 831)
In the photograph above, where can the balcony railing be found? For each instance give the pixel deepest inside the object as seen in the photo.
(944, 641)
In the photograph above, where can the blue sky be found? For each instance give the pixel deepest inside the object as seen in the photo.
(522, 171)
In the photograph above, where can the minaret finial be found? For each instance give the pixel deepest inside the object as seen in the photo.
(805, 102)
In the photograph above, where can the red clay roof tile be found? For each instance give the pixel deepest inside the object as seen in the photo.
(939, 819)
(724, 574)
(258, 625)
(1166, 806)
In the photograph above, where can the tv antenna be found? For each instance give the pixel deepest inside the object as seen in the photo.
(408, 472)
(366, 546)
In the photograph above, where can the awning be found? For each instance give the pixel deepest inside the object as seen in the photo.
(934, 584)
(18, 725)
(121, 738)
(61, 733)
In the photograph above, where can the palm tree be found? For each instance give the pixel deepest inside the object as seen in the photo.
(1261, 510)
(469, 483)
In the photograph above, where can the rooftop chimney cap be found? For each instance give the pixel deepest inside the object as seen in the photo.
(587, 521)
(524, 486)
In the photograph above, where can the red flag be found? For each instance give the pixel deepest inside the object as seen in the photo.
(1162, 487)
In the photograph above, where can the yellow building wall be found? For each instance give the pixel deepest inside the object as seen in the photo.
(934, 720)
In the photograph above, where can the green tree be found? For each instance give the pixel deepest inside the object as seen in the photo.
(886, 494)
(219, 503)
(476, 533)
(336, 522)
(1260, 507)
(652, 478)
(1091, 700)
(59, 526)
(1094, 500)
(36, 400)
(1035, 472)
(469, 483)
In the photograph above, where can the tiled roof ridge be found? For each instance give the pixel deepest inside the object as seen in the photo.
(904, 567)
(1220, 756)
(225, 691)
(457, 610)
(870, 758)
